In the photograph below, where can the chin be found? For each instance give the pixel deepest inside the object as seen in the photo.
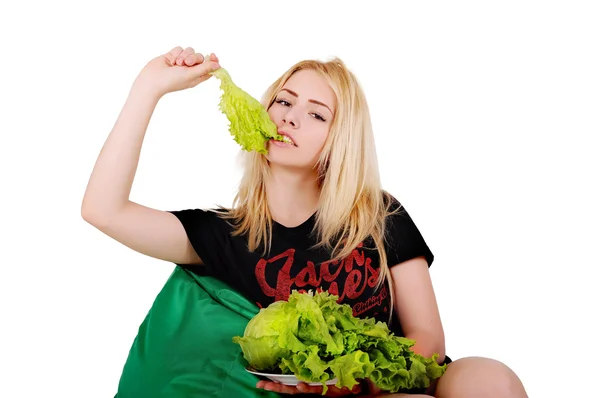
(282, 159)
(288, 157)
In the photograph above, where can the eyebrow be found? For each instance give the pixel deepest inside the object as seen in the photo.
(310, 100)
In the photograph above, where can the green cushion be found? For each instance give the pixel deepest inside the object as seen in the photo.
(184, 348)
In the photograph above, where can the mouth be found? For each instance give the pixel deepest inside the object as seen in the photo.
(287, 138)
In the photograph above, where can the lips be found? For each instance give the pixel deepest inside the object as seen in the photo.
(289, 137)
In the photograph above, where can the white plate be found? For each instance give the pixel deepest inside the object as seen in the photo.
(288, 380)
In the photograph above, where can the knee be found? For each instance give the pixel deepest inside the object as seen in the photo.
(480, 377)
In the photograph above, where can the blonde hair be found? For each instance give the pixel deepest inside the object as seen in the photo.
(352, 205)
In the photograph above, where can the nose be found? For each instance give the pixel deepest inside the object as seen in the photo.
(290, 119)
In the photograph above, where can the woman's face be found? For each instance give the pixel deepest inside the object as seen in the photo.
(303, 110)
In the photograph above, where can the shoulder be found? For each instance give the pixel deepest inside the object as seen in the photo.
(196, 218)
(207, 230)
(396, 214)
(403, 239)
(398, 221)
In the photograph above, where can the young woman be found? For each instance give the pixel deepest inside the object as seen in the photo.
(310, 214)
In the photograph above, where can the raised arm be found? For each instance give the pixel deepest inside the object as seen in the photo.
(106, 204)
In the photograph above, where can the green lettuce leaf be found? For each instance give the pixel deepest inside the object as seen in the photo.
(317, 340)
(249, 121)
(271, 336)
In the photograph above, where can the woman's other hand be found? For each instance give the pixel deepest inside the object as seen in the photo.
(303, 388)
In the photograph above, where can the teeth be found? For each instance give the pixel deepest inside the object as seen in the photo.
(286, 139)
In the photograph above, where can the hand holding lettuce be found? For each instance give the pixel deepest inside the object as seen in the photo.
(250, 124)
(317, 339)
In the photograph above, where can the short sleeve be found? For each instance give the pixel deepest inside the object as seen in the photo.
(403, 239)
(209, 235)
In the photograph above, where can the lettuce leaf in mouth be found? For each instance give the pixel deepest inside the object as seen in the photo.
(249, 121)
(317, 339)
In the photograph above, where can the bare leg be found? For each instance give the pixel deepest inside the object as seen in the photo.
(405, 396)
(476, 377)
(397, 396)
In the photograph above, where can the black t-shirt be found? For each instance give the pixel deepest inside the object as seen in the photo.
(294, 265)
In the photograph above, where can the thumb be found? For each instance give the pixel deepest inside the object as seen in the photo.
(213, 57)
(373, 389)
(200, 70)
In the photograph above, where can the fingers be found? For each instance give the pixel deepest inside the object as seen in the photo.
(334, 391)
(177, 55)
(303, 388)
(373, 389)
(355, 389)
(188, 57)
(277, 387)
(199, 73)
(172, 55)
(188, 53)
(193, 59)
(197, 59)
(306, 389)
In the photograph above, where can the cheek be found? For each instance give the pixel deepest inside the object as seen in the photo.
(273, 113)
(318, 138)
(322, 135)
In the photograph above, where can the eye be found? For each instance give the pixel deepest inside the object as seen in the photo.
(282, 102)
(318, 117)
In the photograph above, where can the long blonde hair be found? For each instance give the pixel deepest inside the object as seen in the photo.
(352, 205)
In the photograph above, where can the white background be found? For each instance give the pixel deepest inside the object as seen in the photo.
(486, 118)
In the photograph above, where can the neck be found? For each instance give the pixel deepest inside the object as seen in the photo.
(292, 195)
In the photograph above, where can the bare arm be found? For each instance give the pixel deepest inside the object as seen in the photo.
(417, 307)
(106, 203)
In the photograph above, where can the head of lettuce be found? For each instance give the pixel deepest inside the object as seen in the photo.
(249, 121)
(317, 339)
